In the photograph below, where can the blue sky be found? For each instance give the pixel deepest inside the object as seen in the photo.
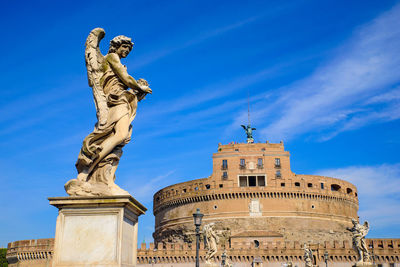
(323, 76)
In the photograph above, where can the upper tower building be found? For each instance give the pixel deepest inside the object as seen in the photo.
(253, 193)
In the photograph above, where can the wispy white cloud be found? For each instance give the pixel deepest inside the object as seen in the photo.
(145, 191)
(392, 95)
(378, 191)
(339, 95)
(214, 91)
(23, 106)
(169, 49)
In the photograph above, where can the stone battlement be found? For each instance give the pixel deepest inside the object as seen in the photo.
(39, 252)
(36, 252)
(267, 146)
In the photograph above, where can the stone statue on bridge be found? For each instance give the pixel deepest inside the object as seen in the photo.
(308, 256)
(359, 232)
(116, 95)
(212, 240)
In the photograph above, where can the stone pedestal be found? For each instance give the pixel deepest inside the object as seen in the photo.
(211, 264)
(364, 264)
(96, 231)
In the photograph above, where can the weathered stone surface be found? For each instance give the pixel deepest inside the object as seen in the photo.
(211, 264)
(364, 264)
(96, 231)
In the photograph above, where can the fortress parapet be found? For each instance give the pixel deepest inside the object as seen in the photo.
(38, 253)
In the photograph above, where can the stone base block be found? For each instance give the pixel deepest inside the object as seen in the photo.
(96, 231)
(364, 264)
(211, 264)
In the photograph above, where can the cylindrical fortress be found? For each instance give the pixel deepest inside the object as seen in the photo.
(253, 194)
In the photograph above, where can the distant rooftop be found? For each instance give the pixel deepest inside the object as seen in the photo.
(233, 146)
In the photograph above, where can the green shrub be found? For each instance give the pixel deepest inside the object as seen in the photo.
(3, 260)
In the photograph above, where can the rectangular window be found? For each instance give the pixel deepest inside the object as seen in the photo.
(259, 162)
(277, 162)
(224, 175)
(278, 174)
(322, 185)
(242, 162)
(224, 164)
(245, 180)
(242, 181)
(252, 181)
(261, 180)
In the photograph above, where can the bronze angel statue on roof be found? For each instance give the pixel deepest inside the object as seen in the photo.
(249, 132)
(116, 95)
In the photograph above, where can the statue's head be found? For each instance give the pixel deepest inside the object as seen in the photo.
(354, 221)
(121, 45)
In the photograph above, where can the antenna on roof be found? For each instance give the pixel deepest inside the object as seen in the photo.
(248, 129)
(248, 105)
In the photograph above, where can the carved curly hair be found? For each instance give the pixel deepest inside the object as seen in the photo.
(117, 41)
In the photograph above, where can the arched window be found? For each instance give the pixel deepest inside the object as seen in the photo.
(335, 187)
(256, 243)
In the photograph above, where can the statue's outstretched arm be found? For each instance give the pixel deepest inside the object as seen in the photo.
(120, 70)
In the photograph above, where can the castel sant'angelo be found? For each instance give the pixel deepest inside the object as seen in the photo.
(263, 212)
(253, 194)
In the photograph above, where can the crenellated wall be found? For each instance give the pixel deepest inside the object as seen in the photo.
(341, 253)
(38, 253)
(32, 253)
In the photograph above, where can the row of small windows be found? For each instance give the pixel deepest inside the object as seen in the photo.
(334, 187)
(297, 184)
(244, 181)
(258, 180)
(247, 180)
(242, 163)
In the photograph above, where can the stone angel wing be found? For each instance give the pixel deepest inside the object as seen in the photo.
(94, 61)
(366, 225)
(365, 229)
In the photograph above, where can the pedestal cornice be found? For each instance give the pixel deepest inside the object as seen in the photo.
(99, 201)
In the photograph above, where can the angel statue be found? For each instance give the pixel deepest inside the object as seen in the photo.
(116, 95)
(249, 132)
(359, 232)
(308, 256)
(212, 240)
